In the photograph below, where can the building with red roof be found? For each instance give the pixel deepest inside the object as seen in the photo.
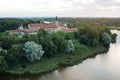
(69, 29)
(51, 27)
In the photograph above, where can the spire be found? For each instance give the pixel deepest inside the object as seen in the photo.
(56, 18)
(57, 23)
(20, 27)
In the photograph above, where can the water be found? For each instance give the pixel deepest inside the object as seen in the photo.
(102, 67)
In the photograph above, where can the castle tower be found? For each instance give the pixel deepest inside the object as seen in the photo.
(56, 19)
(20, 27)
(57, 23)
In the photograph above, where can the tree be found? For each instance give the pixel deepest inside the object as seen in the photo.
(69, 35)
(3, 64)
(76, 34)
(114, 35)
(69, 47)
(106, 39)
(94, 43)
(83, 39)
(7, 41)
(12, 23)
(42, 33)
(33, 51)
(49, 47)
(15, 54)
(60, 42)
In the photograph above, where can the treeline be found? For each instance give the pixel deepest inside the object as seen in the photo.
(13, 23)
(74, 22)
(95, 35)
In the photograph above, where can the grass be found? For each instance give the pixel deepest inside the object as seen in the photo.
(46, 65)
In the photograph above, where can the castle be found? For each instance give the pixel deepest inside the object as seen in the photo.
(50, 27)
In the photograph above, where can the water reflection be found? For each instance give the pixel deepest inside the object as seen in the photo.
(102, 67)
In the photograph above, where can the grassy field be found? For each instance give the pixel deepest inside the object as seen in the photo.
(46, 65)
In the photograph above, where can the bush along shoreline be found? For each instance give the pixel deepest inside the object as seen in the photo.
(43, 52)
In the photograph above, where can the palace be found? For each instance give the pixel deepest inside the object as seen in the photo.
(51, 27)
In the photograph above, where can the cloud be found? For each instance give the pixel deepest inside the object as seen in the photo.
(108, 2)
(74, 8)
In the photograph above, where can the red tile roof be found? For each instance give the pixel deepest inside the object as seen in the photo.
(24, 30)
(69, 29)
(43, 25)
(13, 30)
(29, 31)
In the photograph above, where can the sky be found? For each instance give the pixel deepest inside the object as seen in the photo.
(61, 8)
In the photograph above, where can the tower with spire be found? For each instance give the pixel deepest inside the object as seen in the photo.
(20, 27)
(56, 19)
(57, 23)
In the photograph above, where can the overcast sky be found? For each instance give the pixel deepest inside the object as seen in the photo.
(62, 8)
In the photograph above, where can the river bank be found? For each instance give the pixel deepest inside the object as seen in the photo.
(47, 65)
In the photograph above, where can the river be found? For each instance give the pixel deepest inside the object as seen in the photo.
(102, 67)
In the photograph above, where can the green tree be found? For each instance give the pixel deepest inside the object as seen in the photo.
(7, 42)
(69, 47)
(106, 39)
(49, 47)
(3, 64)
(94, 43)
(42, 33)
(60, 42)
(114, 35)
(84, 39)
(15, 54)
(69, 35)
(33, 51)
(13, 23)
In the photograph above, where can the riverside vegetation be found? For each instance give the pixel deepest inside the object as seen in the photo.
(43, 52)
